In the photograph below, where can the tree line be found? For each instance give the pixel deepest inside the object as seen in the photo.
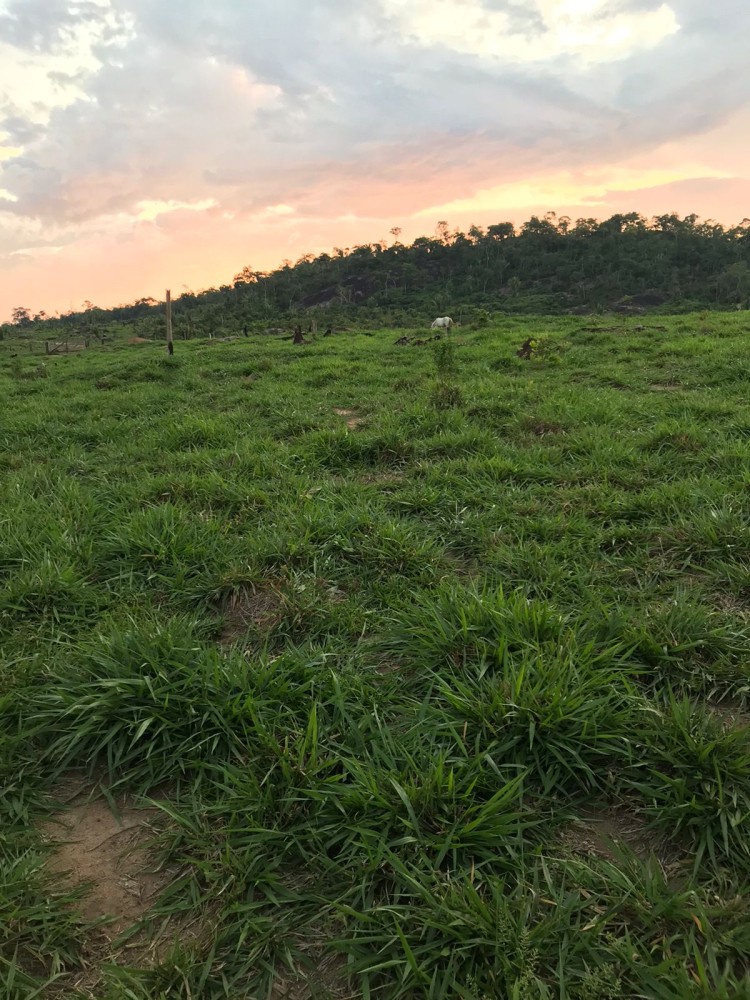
(550, 264)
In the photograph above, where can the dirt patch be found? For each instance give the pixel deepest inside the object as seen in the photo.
(387, 666)
(325, 979)
(253, 607)
(542, 428)
(107, 852)
(390, 478)
(603, 833)
(732, 713)
(352, 420)
(731, 604)
(334, 594)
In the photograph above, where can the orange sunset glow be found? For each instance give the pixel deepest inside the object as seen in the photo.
(146, 144)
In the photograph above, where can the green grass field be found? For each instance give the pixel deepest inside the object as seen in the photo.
(442, 695)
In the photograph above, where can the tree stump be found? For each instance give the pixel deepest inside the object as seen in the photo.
(526, 349)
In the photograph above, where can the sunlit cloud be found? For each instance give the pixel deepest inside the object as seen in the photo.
(586, 187)
(535, 32)
(44, 251)
(149, 210)
(275, 210)
(48, 52)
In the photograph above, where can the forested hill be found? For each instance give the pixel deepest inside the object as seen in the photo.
(548, 265)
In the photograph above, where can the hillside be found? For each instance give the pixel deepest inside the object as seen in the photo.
(548, 266)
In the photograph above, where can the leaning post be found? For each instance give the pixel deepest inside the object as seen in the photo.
(170, 344)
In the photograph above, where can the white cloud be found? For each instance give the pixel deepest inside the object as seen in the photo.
(276, 210)
(150, 210)
(45, 251)
(586, 29)
(591, 186)
(49, 51)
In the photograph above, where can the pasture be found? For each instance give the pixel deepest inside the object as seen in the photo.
(408, 671)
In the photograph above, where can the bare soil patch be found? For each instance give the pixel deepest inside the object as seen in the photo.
(542, 428)
(106, 851)
(388, 666)
(253, 607)
(352, 420)
(390, 478)
(324, 979)
(603, 833)
(731, 604)
(732, 713)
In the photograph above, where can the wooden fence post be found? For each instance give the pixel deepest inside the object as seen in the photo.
(170, 344)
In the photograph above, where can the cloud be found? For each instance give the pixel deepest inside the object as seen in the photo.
(723, 199)
(149, 210)
(293, 114)
(40, 25)
(592, 30)
(589, 186)
(44, 251)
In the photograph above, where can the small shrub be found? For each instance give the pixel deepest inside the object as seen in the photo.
(446, 361)
(445, 393)
(542, 349)
(446, 396)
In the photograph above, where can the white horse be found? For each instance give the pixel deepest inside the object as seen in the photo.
(442, 323)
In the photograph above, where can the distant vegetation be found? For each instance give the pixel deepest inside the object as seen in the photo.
(550, 265)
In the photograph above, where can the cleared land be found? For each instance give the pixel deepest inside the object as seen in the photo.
(408, 672)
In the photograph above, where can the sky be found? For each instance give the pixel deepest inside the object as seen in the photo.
(147, 144)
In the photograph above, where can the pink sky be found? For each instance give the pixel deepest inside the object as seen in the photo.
(146, 145)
